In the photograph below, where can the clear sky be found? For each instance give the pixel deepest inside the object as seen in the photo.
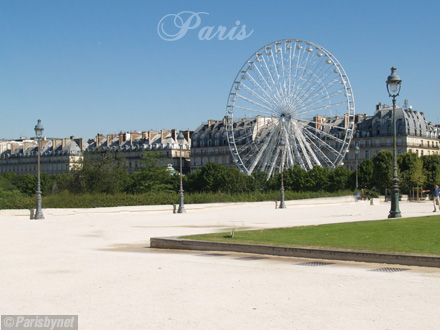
(100, 66)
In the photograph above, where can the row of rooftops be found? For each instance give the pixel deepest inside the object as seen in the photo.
(409, 122)
(124, 142)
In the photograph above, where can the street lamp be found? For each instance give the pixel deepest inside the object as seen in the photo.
(39, 133)
(393, 87)
(356, 155)
(282, 147)
(181, 140)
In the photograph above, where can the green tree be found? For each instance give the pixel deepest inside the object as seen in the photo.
(101, 173)
(318, 179)
(383, 170)
(411, 171)
(431, 169)
(152, 175)
(366, 173)
(295, 178)
(27, 183)
(339, 179)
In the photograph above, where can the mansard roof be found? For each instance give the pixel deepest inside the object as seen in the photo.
(409, 122)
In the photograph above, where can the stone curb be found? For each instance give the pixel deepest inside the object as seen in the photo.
(312, 253)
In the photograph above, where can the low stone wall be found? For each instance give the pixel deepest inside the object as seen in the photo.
(313, 253)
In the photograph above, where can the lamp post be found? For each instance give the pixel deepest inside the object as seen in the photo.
(356, 155)
(393, 87)
(282, 147)
(39, 133)
(181, 140)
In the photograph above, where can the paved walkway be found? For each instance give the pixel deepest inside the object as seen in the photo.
(96, 263)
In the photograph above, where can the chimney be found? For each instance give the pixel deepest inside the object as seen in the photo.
(64, 143)
(44, 142)
(26, 145)
(163, 135)
(187, 134)
(56, 143)
(99, 139)
(174, 134)
(134, 136)
(79, 142)
(211, 122)
(379, 106)
(318, 121)
(151, 136)
(15, 146)
(121, 138)
(145, 135)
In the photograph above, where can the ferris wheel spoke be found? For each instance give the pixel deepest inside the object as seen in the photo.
(300, 56)
(268, 157)
(304, 66)
(324, 107)
(302, 148)
(269, 73)
(325, 94)
(263, 78)
(323, 144)
(307, 93)
(269, 100)
(306, 77)
(283, 70)
(280, 87)
(310, 150)
(316, 97)
(292, 146)
(255, 103)
(273, 163)
(262, 150)
(268, 103)
(290, 153)
(324, 124)
(321, 155)
(322, 133)
(253, 110)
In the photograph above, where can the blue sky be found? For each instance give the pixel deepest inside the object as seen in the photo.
(99, 66)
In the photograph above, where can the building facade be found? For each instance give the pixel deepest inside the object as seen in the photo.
(57, 155)
(132, 147)
(209, 144)
(64, 155)
(375, 133)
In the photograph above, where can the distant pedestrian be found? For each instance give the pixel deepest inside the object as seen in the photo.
(435, 196)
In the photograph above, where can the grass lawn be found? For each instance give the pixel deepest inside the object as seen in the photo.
(412, 235)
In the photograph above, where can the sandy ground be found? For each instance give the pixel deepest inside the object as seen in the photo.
(97, 264)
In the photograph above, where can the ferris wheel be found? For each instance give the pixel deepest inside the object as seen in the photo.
(290, 103)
